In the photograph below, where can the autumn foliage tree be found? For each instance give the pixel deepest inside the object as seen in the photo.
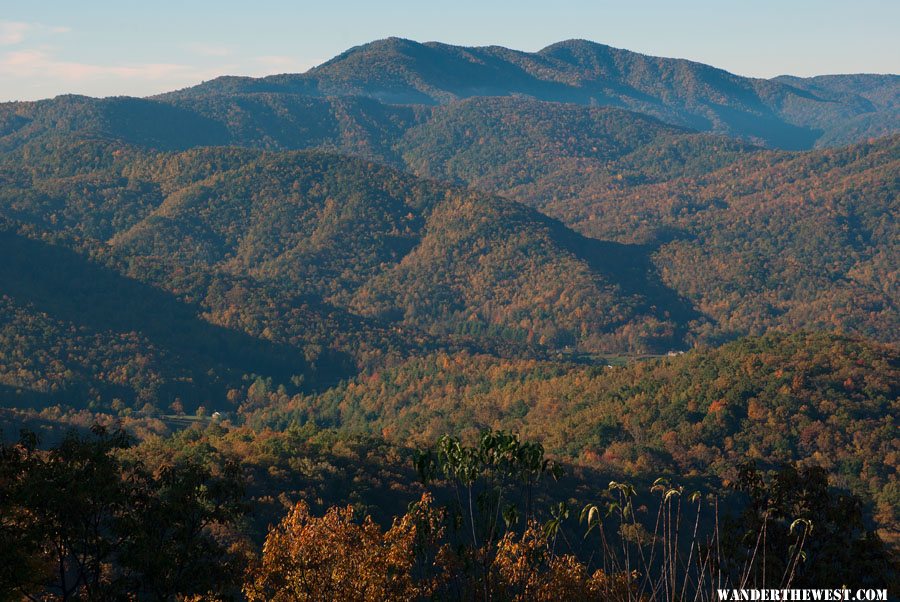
(334, 557)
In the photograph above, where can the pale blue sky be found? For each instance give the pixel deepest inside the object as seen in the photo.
(102, 48)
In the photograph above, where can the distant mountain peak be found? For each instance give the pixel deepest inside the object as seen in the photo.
(785, 112)
(573, 43)
(384, 45)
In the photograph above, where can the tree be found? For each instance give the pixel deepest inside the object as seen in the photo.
(21, 566)
(804, 533)
(334, 557)
(65, 504)
(80, 523)
(169, 542)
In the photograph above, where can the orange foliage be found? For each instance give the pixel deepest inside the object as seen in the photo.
(335, 558)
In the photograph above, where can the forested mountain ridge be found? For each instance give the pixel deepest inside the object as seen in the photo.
(820, 399)
(681, 92)
(352, 125)
(767, 229)
(536, 152)
(307, 248)
(503, 145)
(363, 100)
(588, 167)
(283, 219)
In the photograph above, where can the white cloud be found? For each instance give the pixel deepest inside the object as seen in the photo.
(40, 63)
(15, 32)
(41, 71)
(12, 32)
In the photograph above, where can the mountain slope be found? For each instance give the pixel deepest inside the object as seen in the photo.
(310, 250)
(684, 93)
(77, 332)
(537, 152)
(355, 234)
(484, 264)
(816, 399)
(797, 240)
(507, 145)
(131, 120)
(789, 240)
(357, 126)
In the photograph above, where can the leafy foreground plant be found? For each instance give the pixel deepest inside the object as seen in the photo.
(91, 519)
(794, 532)
(476, 547)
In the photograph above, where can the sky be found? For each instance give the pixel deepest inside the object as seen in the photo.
(126, 47)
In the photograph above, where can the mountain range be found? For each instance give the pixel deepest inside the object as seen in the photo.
(403, 80)
(419, 239)
(790, 113)
(404, 197)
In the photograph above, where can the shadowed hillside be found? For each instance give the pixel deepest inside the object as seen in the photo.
(77, 304)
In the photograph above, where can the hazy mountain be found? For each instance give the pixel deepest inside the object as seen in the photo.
(365, 99)
(540, 152)
(882, 91)
(784, 112)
